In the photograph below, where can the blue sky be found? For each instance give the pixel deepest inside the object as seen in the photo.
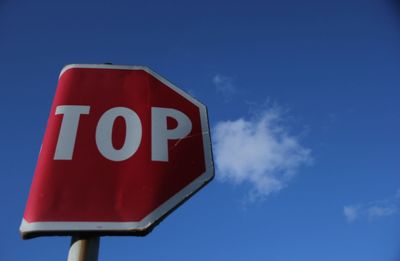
(313, 86)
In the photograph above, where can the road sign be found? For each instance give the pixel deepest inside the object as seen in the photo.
(123, 147)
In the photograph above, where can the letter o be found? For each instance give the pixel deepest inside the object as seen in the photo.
(133, 134)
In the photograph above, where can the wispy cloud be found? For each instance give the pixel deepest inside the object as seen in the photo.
(380, 211)
(258, 151)
(372, 210)
(351, 213)
(224, 85)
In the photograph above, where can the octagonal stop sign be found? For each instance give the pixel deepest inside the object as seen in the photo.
(123, 148)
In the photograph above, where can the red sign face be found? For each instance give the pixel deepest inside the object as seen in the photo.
(123, 147)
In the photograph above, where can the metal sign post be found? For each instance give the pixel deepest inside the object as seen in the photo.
(84, 248)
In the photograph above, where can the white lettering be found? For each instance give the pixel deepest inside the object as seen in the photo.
(160, 134)
(68, 130)
(133, 134)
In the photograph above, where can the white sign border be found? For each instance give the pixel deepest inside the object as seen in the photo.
(27, 229)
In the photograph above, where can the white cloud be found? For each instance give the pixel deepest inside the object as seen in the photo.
(397, 196)
(224, 85)
(380, 211)
(373, 209)
(351, 213)
(259, 152)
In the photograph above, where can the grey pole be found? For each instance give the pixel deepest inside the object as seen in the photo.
(84, 248)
